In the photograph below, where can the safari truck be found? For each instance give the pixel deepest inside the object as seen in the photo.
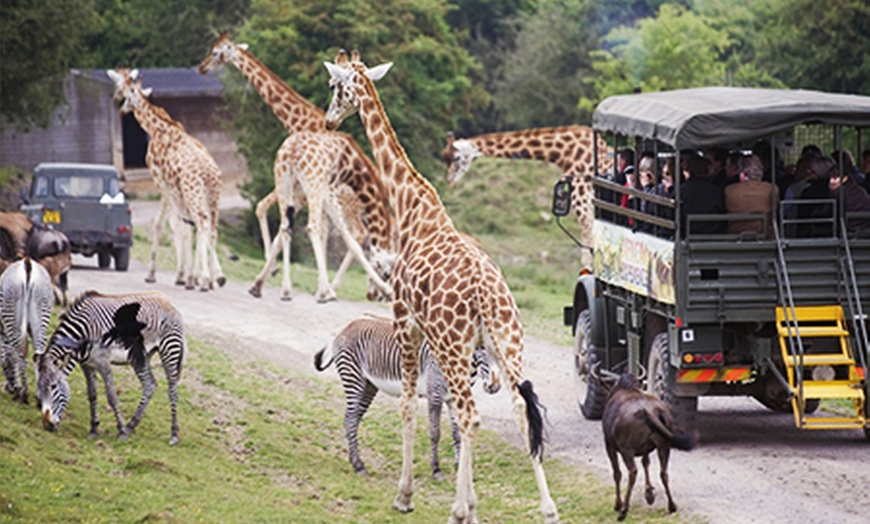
(777, 316)
(84, 201)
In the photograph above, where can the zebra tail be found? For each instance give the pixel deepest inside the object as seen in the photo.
(324, 357)
(25, 302)
(535, 416)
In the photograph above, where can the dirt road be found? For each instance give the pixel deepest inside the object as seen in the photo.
(751, 466)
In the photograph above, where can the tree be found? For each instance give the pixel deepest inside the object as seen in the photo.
(542, 76)
(425, 94)
(676, 49)
(817, 44)
(39, 40)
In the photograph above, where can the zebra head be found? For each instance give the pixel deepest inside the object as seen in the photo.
(52, 369)
(482, 366)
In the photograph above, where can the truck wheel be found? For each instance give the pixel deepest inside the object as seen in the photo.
(683, 409)
(590, 392)
(122, 258)
(774, 397)
(104, 259)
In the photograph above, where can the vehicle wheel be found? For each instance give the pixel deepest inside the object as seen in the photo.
(122, 258)
(683, 409)
(774, 397)
(104, 259)
(590, 392)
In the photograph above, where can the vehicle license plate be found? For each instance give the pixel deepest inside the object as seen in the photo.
(50, 216)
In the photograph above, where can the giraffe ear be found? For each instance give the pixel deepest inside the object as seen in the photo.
(379, 71)
(147, 91)
(336, 72)
(134, 74)
(243, 47)
(113, 75)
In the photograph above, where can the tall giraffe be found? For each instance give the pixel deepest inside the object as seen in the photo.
(444, 290)
(189, 180)
(570, 148)
(328, 164)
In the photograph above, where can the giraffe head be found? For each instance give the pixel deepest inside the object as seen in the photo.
(346, 82)
(223, 51)
(122, 77)
(459, 154)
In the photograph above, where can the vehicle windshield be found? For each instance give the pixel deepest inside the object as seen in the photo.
(78, 186)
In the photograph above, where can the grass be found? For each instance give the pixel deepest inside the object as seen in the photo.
(258, 444)
(261, 443)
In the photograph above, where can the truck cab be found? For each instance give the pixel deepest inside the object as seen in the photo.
(777, 316)
(86, 203)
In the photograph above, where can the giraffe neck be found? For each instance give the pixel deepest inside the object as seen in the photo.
(153, 119)
(569, 147)
(292, 109)
(414, 200)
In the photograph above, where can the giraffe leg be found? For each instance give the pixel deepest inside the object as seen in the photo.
(338, 219)
(156, 230)
(286, 284)
(525, 406)
(409, 342)
(317, 229)
(217, 273)
(277, 244)
(261, 213)
(342, 269)
(202, 258)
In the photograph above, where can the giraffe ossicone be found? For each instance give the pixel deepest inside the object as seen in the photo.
(189, 182)
(314, 168)
(446, 291)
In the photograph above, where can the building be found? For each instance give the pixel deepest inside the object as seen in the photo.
(89, 128)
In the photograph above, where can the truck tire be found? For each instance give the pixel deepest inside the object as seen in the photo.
(590, 392)
(683, 409)
(104, 259)
(122, 258)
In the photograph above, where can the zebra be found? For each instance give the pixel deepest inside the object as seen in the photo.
(99, 330)
(26, 296)
(367, 359)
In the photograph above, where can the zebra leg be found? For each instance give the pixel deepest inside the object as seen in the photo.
(90, 380)
(173, 372)
(435, 392)
(358, 401)
(12, 369)
(149, 386)
(112, 396)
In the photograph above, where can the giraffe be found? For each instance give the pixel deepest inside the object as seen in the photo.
(445, 290)
(570, 148)
(366, 216)
(189, 181)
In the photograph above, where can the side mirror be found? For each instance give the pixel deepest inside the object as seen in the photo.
(562, 198)
(23, 195)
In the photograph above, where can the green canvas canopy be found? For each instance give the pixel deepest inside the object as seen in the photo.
(707, 116)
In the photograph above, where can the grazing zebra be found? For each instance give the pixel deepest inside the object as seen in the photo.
(367, 359)
(25, 307)
(97, 331)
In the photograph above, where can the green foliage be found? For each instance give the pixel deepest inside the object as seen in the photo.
(427, 91)
(814, 44)
(259, 444)
(158, 33)
(39, 41)
(540, 79)
(677, 49)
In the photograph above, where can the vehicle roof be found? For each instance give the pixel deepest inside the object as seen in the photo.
(73, 166)
(708, 116)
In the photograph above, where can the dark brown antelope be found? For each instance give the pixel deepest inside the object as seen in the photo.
(635, 423)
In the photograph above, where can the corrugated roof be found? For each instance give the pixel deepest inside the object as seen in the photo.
(170, 82)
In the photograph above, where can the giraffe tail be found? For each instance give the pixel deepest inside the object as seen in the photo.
(535, 414)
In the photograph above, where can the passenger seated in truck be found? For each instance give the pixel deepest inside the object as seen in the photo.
(647, 179)
(700, 196)
(854, 199)
(751, 195)
(816, 215)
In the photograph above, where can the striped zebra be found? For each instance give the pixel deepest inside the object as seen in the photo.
(367, 359)
(100, 330)
(26, 296)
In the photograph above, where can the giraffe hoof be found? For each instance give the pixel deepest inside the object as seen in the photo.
(180, 282)
(150, 280)
(286, 298)
(221, 281)
(255, 292)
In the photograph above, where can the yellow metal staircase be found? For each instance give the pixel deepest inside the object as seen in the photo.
(804, 322)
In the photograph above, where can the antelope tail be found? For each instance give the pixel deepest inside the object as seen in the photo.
(682, 441)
